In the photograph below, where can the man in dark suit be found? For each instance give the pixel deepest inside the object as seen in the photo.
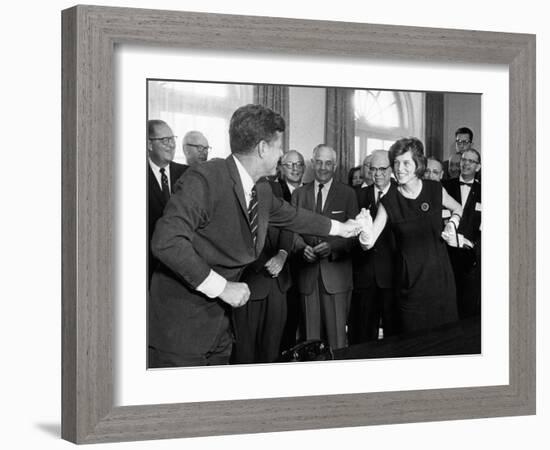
(325, 278)
(162, 174)
(466, 257)
(259, 324)
(373, 301)
(214, 225)
(292, 171)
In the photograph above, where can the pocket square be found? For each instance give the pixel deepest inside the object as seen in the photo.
(337, 212)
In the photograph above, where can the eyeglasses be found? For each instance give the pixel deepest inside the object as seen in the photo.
(380, 170)
(327, 164)
(200, 148)
(295, 165)
(463, 141)
(468, 160)
(165, 140)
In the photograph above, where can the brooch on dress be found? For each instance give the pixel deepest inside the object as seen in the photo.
(424, 206)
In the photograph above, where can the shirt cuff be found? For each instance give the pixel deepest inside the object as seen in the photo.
(335, 228)
(213, 285)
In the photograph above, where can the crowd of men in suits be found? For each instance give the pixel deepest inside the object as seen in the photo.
(244, 264)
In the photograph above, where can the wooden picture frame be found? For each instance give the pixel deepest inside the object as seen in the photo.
(90, 34)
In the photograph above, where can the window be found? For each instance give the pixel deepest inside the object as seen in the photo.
(206, 107)
(382, 117)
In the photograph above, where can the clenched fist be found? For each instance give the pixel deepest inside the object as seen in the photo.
(235, 294)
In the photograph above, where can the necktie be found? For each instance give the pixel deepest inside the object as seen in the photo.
(319, 204)
(464, 183)
(165, 187)
(378, 196)
(253, 214)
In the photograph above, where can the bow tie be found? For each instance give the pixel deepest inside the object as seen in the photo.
(464, 183)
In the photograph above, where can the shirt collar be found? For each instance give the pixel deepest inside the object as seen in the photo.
(326, 186)
(246, 179)
(462, 180)
(156, 168)
(384, 191)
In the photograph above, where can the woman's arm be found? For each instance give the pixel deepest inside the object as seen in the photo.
(452, 205)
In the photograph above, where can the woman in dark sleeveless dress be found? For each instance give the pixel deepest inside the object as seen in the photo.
(426, 287)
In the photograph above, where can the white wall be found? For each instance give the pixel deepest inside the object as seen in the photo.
(307, 119)
(31, 237)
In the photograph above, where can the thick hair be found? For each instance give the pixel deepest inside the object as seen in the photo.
(251, 124)
(465, 130)
(152, 126)
(415, 146)
(473, 150)
(351, 172)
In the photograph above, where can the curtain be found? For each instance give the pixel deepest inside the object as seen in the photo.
(274, 97)
(435, 109)
(340, 129)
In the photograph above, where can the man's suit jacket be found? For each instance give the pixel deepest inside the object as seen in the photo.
(156, 204)
(471, 214)
(255, 275)
(374, 266)
(470, 223)
(205, 226)
(336, 269)
(287, 195)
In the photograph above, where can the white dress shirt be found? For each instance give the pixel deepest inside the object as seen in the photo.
(324, 191)
(158, 175)
(465, 190)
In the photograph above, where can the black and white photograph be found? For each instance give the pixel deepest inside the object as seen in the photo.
(291, 224)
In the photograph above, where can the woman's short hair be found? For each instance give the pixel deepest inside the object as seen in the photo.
(413, 145)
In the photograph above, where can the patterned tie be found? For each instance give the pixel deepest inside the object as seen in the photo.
(253, 214)
(319, 204)
(378, 196)
(165, 187)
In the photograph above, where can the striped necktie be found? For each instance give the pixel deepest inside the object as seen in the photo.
(165, 187)
(253, 214)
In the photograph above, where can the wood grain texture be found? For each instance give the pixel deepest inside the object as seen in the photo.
(89, 37)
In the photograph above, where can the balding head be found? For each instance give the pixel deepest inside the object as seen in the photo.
(324, 163)
(292, 167)
(195, 147)
(380, 169)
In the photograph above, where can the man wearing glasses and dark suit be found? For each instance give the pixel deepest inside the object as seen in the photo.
(162, 174)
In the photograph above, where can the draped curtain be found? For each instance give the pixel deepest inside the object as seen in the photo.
(276, 98)
(340, 129)
(435, 110)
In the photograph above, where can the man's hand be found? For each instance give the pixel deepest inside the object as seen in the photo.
(309, 254)
(235, 294)
(367, 229)
(449, 235)
(322, 250)
(276, 263)
(350, 228)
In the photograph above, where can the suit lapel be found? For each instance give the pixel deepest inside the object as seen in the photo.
(330, 198)
(264, 203)
(237, 185)
(154, 187)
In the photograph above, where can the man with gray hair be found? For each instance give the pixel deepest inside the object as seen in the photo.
(374, 300)
(325, 278)
(292, 172)
(195, 147)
